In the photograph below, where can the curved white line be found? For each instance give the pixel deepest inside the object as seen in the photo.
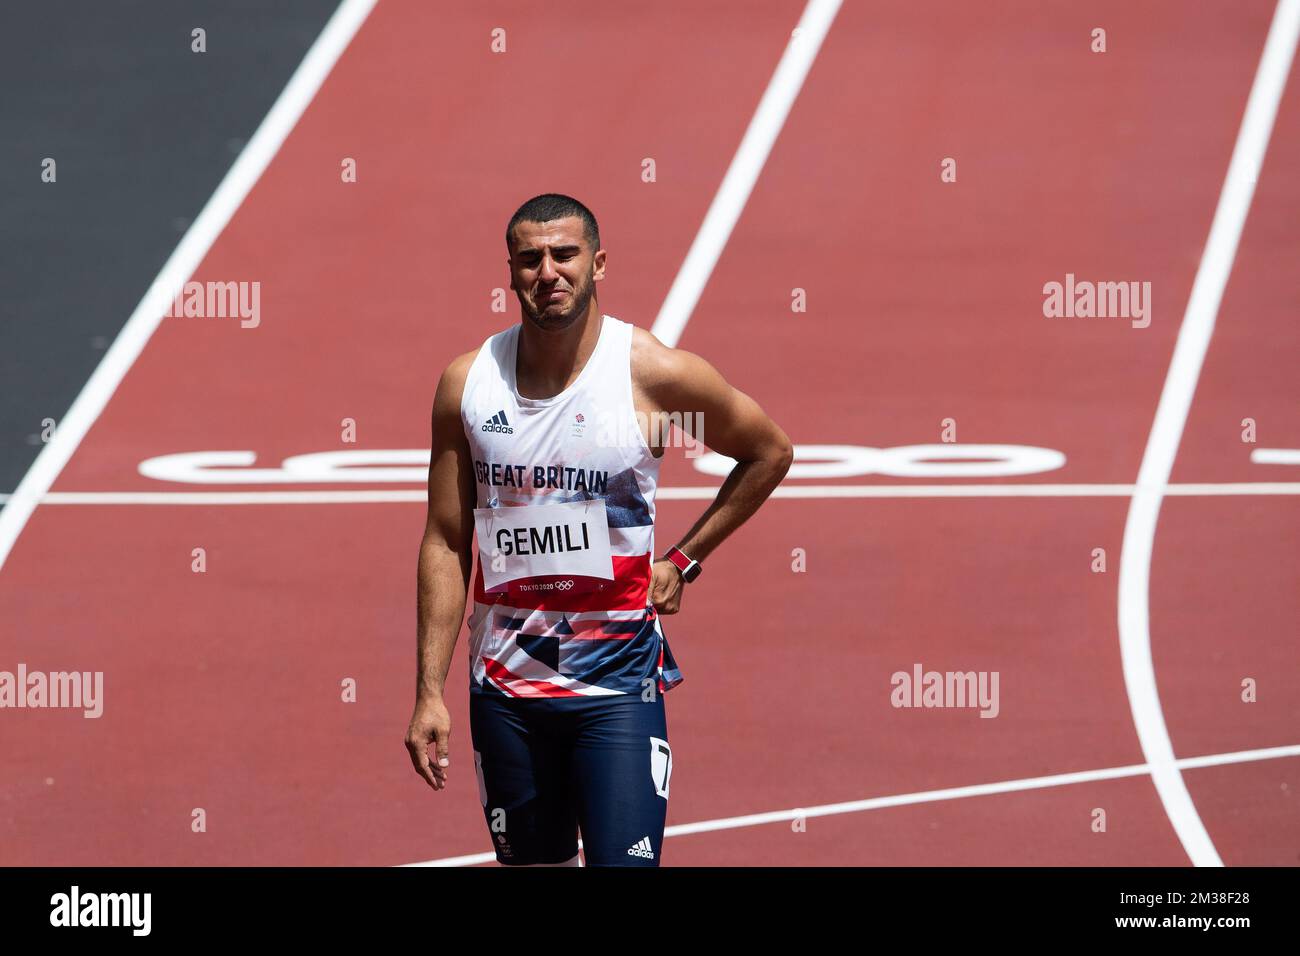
(1167, 430)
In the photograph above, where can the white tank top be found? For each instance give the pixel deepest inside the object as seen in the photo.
(563, 629)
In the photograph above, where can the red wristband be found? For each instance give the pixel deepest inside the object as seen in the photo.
(690, 570)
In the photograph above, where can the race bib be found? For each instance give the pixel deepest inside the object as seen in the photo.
(570, 539)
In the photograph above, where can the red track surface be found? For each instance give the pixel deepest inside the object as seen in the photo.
(924, 303)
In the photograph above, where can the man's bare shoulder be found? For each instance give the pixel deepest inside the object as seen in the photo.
(451, 386)
(655, 365)
(458, 368)
(656, 368)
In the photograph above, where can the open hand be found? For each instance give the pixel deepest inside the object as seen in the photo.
(429, 724)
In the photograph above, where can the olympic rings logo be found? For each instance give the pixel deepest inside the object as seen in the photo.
(548, 586)
(906, 461)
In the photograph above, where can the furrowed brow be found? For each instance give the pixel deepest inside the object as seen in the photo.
(554, 251)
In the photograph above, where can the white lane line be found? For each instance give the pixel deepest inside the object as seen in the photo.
(189, 253)
(683, 493)
(1275, 456)
(234, 497)
(742, 174)
(1235, 488)
(1167, 429)
(927, 796)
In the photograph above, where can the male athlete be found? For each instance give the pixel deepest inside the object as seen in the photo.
(547, 443)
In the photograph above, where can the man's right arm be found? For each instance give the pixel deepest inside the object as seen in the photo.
(443, 576)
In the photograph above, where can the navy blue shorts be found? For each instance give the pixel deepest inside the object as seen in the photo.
(550, 767)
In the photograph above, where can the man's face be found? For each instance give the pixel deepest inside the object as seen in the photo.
(553, 271)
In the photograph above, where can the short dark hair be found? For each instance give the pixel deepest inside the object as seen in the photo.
(550, 206)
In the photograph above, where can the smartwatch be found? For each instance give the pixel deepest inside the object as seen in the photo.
(690, 570)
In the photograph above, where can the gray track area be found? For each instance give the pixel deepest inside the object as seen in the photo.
(141, 129)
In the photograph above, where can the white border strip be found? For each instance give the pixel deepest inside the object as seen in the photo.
(182, 263)
(683, 493)
(742, 174)
(1171, 417)
(925, 796)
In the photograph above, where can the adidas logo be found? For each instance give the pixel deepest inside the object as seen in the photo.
(642, 849)
(498, 423)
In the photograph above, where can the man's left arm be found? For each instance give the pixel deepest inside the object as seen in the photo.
(730, 423)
